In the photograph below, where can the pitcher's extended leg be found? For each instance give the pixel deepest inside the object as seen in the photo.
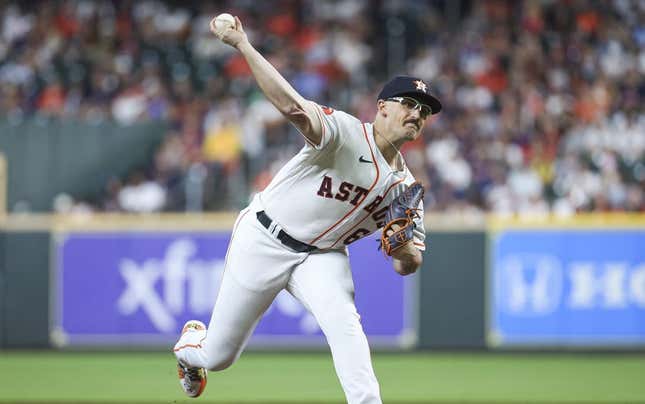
(235, 315)
(257, 268)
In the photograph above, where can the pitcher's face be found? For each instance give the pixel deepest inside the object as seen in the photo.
(405, 117)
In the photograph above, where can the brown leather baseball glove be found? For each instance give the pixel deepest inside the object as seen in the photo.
(399, 227)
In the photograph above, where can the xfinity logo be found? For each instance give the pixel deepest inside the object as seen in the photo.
(185, 281)
(181, 283)
(537, 285)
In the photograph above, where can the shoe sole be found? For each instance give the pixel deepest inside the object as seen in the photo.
(202, 382)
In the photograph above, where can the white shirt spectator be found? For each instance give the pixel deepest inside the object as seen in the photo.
(145, 197)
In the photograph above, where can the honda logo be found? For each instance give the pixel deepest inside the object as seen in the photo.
(530, 284)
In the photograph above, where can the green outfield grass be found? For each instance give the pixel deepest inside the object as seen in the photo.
(309, 377)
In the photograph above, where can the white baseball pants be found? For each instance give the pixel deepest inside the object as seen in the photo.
(257, 267)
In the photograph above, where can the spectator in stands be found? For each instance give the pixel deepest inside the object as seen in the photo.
(545, 101)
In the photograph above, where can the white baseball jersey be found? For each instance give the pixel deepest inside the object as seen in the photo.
(335, 193)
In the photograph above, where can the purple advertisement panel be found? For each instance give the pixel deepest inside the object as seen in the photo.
(140, 287)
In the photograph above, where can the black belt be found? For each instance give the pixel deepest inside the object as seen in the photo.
(283, 236)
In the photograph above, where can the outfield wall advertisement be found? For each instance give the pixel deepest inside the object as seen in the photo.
(138, 288)
(567, 287)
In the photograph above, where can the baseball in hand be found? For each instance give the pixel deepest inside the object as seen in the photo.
(223, 22)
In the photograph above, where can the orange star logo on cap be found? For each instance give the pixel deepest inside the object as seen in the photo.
(421, 85)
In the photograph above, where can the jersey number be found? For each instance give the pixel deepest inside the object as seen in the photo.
(357, 235)
(378, 217)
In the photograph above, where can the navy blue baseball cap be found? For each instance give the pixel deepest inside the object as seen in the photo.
(413, 87)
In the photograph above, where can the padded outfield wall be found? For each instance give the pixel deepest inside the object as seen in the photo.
(566, 283)
(128, 281)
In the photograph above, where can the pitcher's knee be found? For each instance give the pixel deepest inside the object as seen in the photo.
(221, 362)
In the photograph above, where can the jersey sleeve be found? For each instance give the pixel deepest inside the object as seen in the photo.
(331, 122)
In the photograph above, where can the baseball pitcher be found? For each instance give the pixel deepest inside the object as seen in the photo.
(348, 181)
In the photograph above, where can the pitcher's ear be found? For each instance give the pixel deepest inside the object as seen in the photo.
(381, 107)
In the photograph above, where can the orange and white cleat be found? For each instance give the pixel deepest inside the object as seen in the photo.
(192, 380)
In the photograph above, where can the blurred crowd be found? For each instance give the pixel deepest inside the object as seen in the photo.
(544, 101)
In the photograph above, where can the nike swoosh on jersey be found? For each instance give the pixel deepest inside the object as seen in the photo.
(362, 160)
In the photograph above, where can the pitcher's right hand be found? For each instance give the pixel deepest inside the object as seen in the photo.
(233, 36)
